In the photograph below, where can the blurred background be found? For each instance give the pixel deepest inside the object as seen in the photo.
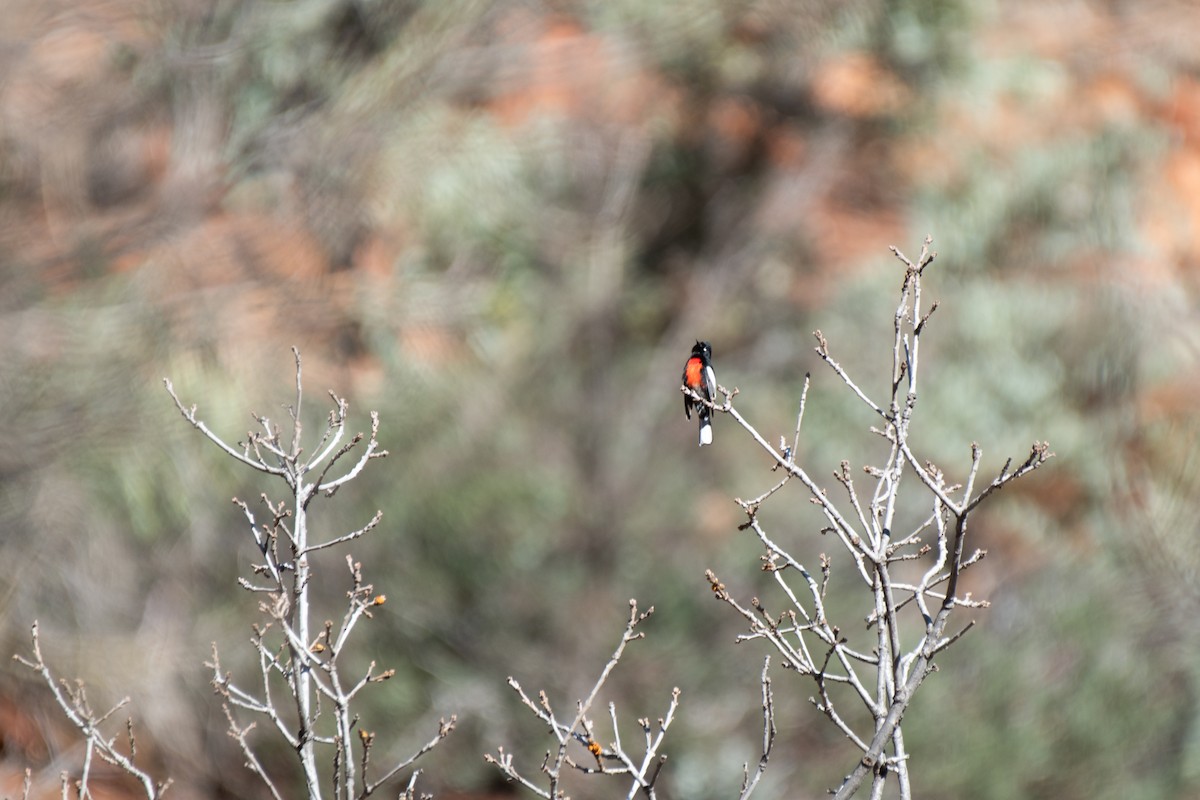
(502, 225)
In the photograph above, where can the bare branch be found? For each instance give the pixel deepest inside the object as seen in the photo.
(74, 706)
(190, 415)
(614, 760)
(822, 349)
(750, 782)
(371, 452)
(800, 418)
(445, 726)
(239, 735)
(347, 537)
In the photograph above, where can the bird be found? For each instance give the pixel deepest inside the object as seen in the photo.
(699, 377)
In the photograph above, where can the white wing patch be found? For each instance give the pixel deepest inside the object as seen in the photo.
(710, 383)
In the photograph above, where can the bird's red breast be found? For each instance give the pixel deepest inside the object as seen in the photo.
(693, 373)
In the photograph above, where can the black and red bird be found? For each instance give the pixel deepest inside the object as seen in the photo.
(698, 376)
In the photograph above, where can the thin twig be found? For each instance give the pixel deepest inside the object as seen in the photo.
(190, 415)
(78, 713)
(750, 782)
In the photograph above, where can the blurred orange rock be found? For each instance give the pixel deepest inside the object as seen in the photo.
(857, 85)
(566, 71)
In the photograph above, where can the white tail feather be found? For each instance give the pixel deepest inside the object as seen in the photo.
(705, 433)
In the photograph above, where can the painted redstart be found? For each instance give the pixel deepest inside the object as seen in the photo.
(698, 376)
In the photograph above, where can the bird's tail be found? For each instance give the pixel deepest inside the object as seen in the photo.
(705, 425)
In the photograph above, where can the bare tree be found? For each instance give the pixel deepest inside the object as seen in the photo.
(302, 660)
(303, 688)
(610, 758)
(879, 675)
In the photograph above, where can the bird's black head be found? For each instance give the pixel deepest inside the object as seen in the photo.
(702, 349)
